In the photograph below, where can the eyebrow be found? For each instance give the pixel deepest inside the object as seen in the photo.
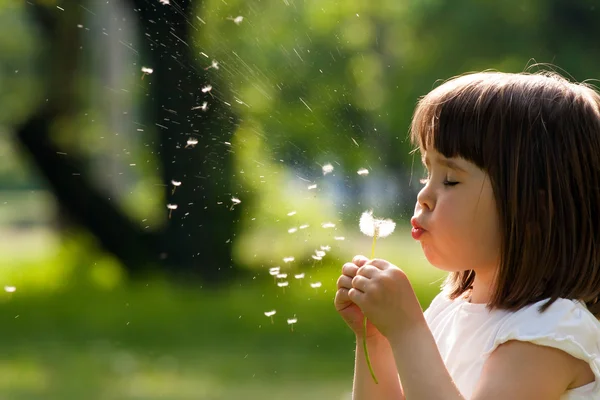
(445, 162)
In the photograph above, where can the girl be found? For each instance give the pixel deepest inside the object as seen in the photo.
(511, 209)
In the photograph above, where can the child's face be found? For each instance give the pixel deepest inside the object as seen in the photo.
(457, 210)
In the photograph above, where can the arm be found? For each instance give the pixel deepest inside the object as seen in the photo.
(382, 359)
(420, 366)
(549, 372)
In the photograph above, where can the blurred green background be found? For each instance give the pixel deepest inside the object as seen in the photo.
(108, 293)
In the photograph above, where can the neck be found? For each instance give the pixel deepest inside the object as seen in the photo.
(482, 288)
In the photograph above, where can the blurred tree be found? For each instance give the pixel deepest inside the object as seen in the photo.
(196, 242)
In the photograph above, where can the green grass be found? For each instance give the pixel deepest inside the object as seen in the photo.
(73, 330)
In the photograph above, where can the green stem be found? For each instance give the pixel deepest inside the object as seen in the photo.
(367, 353)
(365, 323)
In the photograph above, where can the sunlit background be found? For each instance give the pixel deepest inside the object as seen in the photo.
(159, 160)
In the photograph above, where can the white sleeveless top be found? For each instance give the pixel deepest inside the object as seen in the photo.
(467, 333)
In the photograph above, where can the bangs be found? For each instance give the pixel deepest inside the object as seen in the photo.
(455, 118)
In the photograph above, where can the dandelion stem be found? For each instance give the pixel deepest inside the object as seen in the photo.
(367, 353)
(373, 246)
(365, 321)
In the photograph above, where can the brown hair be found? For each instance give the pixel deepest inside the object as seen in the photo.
(537, 136)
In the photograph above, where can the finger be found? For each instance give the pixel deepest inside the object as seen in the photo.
(360, 282)
(368, 271)
(341, 296)
(349, 269)
(356, 296)
(379, 263)
(360, 260)
(344, 282)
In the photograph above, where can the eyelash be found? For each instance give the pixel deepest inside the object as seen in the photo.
(424, 181)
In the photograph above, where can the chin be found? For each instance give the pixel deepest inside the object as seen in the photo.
(437, 261)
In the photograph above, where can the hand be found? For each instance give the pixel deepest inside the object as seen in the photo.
(349, 311)
(385, 295)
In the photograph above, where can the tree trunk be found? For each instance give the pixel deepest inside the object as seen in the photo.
(198, 239)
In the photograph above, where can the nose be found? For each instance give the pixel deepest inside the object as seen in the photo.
(425, 199)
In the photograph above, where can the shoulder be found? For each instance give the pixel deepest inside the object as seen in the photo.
(566, 325)
(552, 346)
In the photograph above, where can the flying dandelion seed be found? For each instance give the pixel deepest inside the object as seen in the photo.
(327, 169)
(164, 2)
(292, 321)
(325, 248)
(270, 314)
(320, 253)
(281, 276)
(328, 225)
(171, 207)
(317, 258)
(274, 272)
(304, 226)
(206, 89)
(291, 213)
(283, 285)
(237, 20)
(315, 285)
(203, 107)
(339, 238)
(363, 171)
(10, 289)
(146, 71)
(175, 184)
(299, 276)
(235, 201)
(191, 142)
(311, 187)
(288, 259)
(214, 65)
(374, 227)
(292, 230)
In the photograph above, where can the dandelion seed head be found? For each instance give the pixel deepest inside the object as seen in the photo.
(372, 226)
(320, 253)
(282, 284)
(327, 169)
(172, 206)
(299, 276)
(175, 183)
(288, 259)
(315, 285)
(363, 171)
(235, 200)
(318, 258)
(147, 70)
(274, 271)
(270, 313)
(281, 276)
(192, 142)
(291, 321)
